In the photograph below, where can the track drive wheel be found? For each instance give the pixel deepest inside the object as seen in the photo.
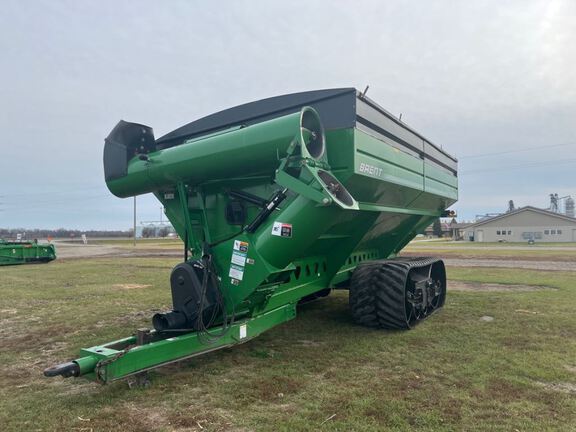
(397, 293)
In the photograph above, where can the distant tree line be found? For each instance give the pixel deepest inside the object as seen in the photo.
(149, 232)
(437, 228)
(60, 233)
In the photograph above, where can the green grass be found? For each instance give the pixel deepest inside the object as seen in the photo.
(452, 373)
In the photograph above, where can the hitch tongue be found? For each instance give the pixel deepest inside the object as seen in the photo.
(67, 370)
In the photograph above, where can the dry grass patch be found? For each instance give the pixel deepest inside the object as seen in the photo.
(493, 287)
(131, 286)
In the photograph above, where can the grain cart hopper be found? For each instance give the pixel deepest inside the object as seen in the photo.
(25, 252)
(277, 202)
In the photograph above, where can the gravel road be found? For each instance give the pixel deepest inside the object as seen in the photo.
(77, 250)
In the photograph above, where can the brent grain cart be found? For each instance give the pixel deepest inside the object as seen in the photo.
(278, 202)
(25, 252)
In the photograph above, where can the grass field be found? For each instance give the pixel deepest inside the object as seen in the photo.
(455, 372)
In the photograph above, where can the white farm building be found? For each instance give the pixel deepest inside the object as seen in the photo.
(522, 225)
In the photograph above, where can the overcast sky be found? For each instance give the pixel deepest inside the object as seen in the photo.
(492, 78)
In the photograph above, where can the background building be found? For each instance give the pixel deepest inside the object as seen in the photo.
(444, 230)
(524, 224)
(458, 229)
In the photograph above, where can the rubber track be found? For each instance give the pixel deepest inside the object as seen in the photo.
(378, 292)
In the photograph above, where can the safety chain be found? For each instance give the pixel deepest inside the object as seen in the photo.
(100, 373)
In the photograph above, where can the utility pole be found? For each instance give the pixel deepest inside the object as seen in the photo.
(134, 221)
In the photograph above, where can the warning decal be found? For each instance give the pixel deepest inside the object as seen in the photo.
(282, 229)
(240, 246)
(238, 258)
(236, 272)
(238, 261)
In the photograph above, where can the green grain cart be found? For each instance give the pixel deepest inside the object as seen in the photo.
(279, 201)
(25, 252)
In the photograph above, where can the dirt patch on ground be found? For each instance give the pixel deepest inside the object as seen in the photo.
(132, 317)
(131, 286)
(309, 343)
(65, 251)
(512, 263)
(493, 287)
(487, 255)
(562, 387)
(552, 263)
(8, 311)
(140, 417)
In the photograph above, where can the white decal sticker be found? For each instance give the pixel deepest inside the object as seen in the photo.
(240, 246)
(243, 331)
(236, 272)
(238, 258)
(282, 229)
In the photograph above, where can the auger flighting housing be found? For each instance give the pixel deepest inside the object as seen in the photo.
(277, 202)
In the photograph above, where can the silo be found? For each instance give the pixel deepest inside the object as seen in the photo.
(569, 207)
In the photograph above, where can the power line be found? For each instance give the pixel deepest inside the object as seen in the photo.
(44, 205)
(515, 151)
(60, 191)
(530, 164)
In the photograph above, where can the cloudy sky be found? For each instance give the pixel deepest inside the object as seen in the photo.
(492, 82)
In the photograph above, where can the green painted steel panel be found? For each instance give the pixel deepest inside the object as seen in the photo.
(376, 159)
(122, 358)
(440, 182)
(12, 253)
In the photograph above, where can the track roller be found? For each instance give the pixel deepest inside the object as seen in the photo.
(397, 293)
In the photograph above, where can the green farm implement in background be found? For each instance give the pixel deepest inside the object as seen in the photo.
(278, 202)
(24, 252)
